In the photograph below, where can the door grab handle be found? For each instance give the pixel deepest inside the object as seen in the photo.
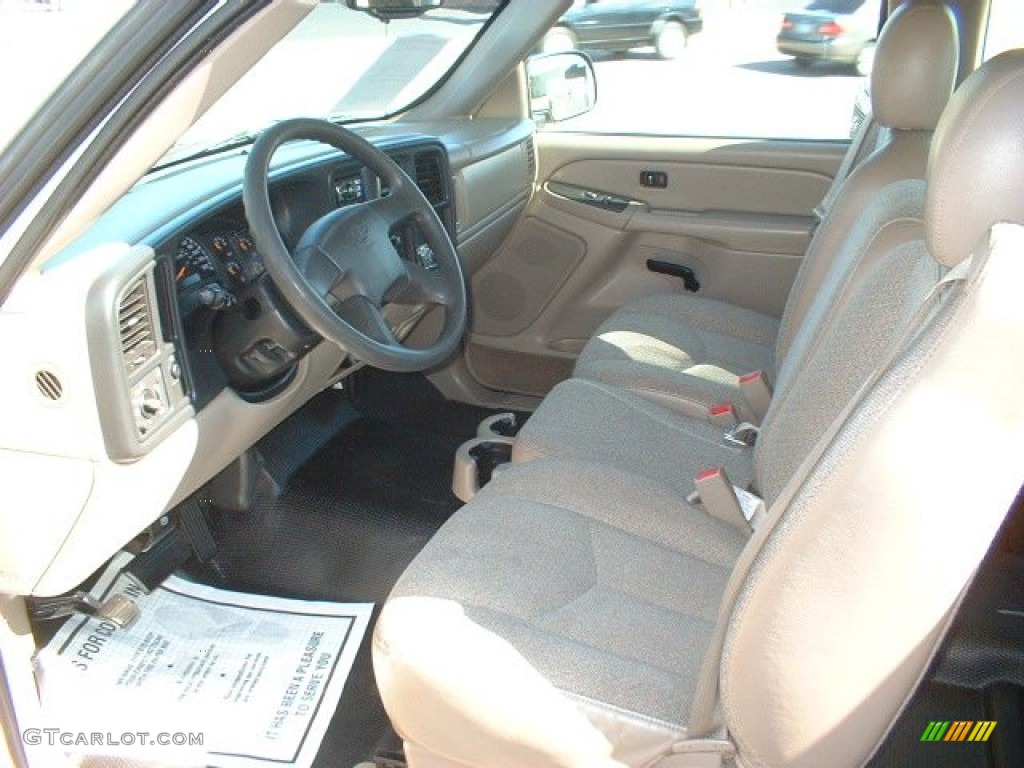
(687, 275)
(604, 200)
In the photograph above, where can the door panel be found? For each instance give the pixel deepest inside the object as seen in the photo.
(738, 213)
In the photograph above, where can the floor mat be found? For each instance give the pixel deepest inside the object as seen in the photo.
(256, 678)
(977, 677)
(363, 482)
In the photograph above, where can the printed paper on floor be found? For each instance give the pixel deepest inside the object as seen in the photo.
(253, 679)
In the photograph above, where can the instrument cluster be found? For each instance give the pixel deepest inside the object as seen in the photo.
(210, 268)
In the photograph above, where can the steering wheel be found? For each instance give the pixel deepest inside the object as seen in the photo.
(345, 268)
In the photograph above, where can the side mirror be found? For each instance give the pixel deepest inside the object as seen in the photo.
(386, 10)
(562, 86)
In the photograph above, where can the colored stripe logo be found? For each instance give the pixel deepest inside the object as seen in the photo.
(958, 730)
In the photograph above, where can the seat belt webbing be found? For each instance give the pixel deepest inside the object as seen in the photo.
(868, 127)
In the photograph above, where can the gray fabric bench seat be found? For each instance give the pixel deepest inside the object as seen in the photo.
(684, 352)
(588, 420)
(880, 275)
(606, 583)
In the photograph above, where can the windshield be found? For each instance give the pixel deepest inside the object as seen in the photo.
(344, 65)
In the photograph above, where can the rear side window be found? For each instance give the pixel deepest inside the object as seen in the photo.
(788, 69)
(1005, 29)
(836, 6)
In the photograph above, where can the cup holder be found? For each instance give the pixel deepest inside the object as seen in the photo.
(477, 461)
(499, 425)
(488, 456)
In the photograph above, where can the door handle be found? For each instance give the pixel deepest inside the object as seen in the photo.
(684, 273)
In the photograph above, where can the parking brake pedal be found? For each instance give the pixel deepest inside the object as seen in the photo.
(117, 609)
(197, 530)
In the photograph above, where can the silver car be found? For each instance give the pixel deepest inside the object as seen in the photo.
(831, 30)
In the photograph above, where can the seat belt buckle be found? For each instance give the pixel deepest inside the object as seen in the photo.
(723, 415)
(757, 394)
(721, 499)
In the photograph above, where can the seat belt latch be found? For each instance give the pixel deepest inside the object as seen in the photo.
(723, 416)
(756, 393)
(721, 499)
(743, 435)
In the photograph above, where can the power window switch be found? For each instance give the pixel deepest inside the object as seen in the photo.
(654, 179)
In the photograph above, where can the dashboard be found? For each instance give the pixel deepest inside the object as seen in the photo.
(124, 347)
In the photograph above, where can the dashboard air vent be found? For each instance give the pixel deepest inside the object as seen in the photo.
(135, 324)
(429, 177)
(531, 158)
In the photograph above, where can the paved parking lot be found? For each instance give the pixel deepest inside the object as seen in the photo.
(729, 82)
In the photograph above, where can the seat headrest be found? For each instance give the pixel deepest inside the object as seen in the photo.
(915, 66)
(976, 165)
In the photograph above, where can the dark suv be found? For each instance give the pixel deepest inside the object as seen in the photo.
(619, 25)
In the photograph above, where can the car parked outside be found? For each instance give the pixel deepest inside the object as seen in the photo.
(621, 25)
(831, 30)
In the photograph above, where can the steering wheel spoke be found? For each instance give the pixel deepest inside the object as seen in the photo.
(363, 315)
(396, 207)
(323, 272)
(345, 266)
(422, 286)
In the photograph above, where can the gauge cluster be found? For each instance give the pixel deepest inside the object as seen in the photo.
(210, 268)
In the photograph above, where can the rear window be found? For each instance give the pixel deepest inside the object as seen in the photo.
(1005, 29)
